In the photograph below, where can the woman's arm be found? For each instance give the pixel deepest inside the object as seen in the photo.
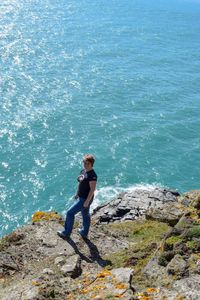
(91, 193)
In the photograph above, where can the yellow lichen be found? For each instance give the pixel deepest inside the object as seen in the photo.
(104, 273)
(118, 295)
(46, 216)
(36, 283)
(121, 285)
(151, 290)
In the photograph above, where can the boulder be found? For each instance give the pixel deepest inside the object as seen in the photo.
(191, 198)
(133, 204)
(169, 213)
(72, 266)
(177, 265)
(123, 275)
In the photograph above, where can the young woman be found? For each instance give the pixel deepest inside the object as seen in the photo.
(84, 196)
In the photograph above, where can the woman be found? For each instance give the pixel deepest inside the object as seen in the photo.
(84, 196)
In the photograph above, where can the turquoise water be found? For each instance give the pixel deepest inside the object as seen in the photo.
(119, 79)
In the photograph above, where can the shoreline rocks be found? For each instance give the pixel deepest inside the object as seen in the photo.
(144, 243)
(132, 205)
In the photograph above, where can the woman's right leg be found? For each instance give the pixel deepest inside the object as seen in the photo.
(74, 209)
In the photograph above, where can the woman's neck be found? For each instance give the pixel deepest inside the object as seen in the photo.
(87, 170)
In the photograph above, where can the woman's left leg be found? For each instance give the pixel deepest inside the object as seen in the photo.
(73, 210)
(85, 211)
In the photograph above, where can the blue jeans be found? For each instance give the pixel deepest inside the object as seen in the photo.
(72, 211)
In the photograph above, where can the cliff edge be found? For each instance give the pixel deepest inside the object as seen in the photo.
(144, 244)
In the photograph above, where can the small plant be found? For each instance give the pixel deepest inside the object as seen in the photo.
(191, 245)
(173, 241)
(192, 232)
(165, 257)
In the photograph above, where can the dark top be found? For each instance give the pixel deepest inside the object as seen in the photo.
(84, 186)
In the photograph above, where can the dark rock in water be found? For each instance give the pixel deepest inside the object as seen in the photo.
(131, 205)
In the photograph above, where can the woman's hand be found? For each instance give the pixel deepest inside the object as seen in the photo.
(86, 204)
(76, 196)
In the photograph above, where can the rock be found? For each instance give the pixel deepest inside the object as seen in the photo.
(191, 198)
(49, 242)
(31, 293)
(131, 205)
(198, 267)
(59, 261)
(153, 270)
(72, 267)
(123, 274)
(177, 265)
(15, 237)
(168, 213)
(43, 266)
(8, 263)
(48, 271)
(189, 287)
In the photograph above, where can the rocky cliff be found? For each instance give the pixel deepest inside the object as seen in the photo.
(143, 244)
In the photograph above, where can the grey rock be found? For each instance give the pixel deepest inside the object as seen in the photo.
(177, 265)
(154, 271)
(72, 267)
(123, 274)
(48, 271)
(189, 287)
(134, 204)
(30, 293)
(169, 213)
(59, 261)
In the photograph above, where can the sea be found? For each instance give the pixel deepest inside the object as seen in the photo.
(119, 79)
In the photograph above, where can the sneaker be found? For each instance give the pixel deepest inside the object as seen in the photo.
(62, 235)
(81, 233)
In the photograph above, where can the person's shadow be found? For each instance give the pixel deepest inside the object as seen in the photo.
(94, 252)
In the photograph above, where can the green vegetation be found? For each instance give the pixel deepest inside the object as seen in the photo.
(191, 245)
(144, 237)
(173, 241)
(165, 257)
(4, 243)
(192, 232)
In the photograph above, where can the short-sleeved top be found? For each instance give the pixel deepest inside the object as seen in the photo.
(84, 178)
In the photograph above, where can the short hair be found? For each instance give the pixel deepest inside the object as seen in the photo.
(90, 158)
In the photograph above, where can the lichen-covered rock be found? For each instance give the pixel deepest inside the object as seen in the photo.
(191, 198)
(46, 216)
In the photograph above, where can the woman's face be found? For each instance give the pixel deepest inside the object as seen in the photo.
(87, 165)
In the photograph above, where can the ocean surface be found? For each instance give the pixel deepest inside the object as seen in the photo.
(118, 79)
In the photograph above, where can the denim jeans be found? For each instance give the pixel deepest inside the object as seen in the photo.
(72, 211)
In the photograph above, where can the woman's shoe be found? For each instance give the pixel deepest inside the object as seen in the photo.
(62, 235)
